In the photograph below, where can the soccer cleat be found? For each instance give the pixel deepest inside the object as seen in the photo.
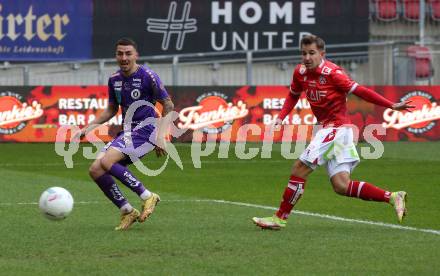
(148, 207)
(273, 223)
(127, 220)
(398, 200)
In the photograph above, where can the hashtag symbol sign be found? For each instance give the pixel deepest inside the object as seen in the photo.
(173, 26)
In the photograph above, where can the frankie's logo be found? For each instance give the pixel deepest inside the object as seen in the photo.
(173, 26)
(213, 114)
(420, 120)
(14, 113)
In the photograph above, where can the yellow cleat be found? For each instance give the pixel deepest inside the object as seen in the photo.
(148, 207)
(398, 200)
(272, 223)
(127, 220)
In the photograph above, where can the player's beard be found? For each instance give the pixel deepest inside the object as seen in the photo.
(125, 67)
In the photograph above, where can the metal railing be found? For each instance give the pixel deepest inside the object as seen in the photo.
(373, 63)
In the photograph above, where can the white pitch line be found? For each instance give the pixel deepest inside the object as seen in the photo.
(330, 217)
(388, 225)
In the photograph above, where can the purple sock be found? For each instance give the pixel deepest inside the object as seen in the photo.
(127, 178)
(111, 190)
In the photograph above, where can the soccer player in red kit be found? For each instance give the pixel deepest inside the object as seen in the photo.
(326, 86)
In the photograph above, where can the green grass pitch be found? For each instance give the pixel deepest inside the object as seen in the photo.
(203, 224)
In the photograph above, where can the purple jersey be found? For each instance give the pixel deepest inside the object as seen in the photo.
(144, 84)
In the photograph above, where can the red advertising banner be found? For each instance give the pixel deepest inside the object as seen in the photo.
(35, 114)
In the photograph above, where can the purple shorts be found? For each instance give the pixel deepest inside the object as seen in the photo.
(135, 144)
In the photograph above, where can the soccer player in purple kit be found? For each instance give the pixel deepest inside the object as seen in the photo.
(132, 84)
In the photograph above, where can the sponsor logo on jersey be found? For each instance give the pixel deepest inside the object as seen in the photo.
(213, 114)
(14, 113)
(422, 118)
(326, 70)
(314, 95)
(137, 82)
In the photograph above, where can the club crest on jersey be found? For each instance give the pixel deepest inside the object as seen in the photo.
(118, 83)
(135, 94)
(322, 80)
(302, 69)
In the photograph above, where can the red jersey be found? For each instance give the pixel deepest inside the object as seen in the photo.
(326, 88)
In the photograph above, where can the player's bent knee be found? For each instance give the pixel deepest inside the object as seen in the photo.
(340, 189)
(340, 184)
(106, 164)
(95, 170)
(300, 169)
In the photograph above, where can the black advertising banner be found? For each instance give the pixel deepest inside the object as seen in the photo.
(194, 26)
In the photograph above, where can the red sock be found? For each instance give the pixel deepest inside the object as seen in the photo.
(292, 194)
(367, 191)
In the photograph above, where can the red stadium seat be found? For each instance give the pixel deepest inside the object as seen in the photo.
(332, 8)
(422, 58)
(386, 10)
(434, 9)
(411, 10)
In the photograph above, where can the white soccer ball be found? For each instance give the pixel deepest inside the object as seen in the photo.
(56, 203)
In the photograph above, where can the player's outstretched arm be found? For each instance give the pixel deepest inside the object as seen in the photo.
(375, 98)
(372, 96)
(106, 115)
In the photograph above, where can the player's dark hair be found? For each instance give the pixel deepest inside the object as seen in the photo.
(310, 39)
(126, 41)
